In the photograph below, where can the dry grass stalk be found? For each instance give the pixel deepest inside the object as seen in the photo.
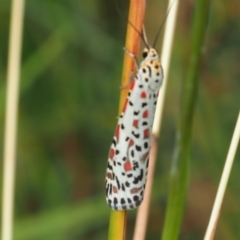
(9, 158)
(223, 183)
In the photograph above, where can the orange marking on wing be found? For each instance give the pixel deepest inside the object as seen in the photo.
(127, 166)
(146, 133)
(111, 153)
(135, 123)
(145, 114)
(143, 94)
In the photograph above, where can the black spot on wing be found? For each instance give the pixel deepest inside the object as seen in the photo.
(138, 148)
(136, 135)
(135, 198)
(136, 113)
(110, 189)
(144, 104)
(145, 123)
(109, 166)
(132, 153)
(150, 71)
(114, 142)
(118, 184)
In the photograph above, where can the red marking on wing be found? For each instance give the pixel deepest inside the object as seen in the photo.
(143, 94)
(127, 166)
(115, 190)
(131, 142)
(132, 85)
(146, 133)
(125, 105)
(135, 123)
(111, 153)
(145, 114)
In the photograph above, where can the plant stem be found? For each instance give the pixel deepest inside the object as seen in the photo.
(9, 158)
(118, 219)
(180, 164)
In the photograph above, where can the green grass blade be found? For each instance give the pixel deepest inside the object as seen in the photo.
(180, 164)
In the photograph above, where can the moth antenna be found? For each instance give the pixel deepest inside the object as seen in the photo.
(161, 26)
(145, 37)
(142, 35)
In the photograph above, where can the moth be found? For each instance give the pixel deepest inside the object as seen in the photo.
(128, 158)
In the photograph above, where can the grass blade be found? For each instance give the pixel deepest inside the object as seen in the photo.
(179, 169)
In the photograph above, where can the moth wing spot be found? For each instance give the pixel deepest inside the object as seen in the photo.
(145, 114)
(117, 131)
(109, 176)
(143, 94)
(115, 190)
(135, 190)
(111, 154)
(135, 123)
(146, 133)
(127, 166)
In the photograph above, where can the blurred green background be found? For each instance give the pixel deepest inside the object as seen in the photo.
(71, 70)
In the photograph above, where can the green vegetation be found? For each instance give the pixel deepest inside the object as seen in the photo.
(179, 172)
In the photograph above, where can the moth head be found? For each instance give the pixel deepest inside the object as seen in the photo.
(150, 53)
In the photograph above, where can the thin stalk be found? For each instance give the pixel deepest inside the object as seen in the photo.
(223, 183)
(142, 215)
(180, 164)
(9, 157)
(118, 219)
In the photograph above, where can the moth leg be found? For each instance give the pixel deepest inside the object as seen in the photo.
(133, 56)
(131, 79)
(132, 75)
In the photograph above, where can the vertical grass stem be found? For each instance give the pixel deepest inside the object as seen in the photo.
(9, 158)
